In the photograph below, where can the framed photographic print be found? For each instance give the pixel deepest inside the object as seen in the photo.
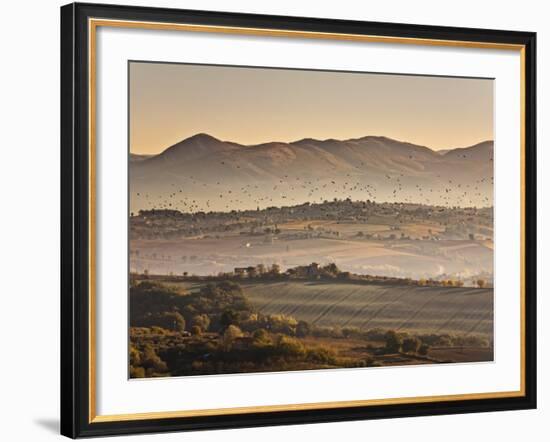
(278, 220)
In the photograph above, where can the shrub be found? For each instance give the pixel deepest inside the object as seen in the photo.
(423, 350)
(152, 362)
(135, 356)
(231, 333)
(282, 324)
(303, 329)
(393, 341)
(321, 355)
(229, 317)
(261, 337)
(137, 372)
(167, 320)
(411, 345)
(344, 275)
(290, 348)
(201, 321)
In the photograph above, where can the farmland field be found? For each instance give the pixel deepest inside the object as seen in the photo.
(439, 310)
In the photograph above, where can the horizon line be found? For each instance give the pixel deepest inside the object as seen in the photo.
(204, 134)
(309, 203)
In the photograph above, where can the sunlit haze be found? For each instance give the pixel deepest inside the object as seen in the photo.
(170, 102)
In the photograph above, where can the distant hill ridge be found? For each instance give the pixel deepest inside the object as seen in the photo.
(275, 172)
(205, 141)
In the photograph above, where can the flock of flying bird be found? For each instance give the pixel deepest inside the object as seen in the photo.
(187, 196)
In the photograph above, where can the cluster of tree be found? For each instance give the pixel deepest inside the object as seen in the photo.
(145, 362)
(329, 271)
(480, 283)
(236, 351)
(216, 330)
(440, 283)
(403, 342)
(212, 308)
(257, 271)
(406, 341)
(396, 342)
(447, 340)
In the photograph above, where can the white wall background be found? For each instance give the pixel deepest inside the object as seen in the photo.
(29, 219)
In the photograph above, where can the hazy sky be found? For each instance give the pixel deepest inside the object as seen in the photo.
(170, 102)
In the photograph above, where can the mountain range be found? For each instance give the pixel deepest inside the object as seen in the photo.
(204, 173)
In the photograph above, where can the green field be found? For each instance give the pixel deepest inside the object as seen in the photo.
(439, 310)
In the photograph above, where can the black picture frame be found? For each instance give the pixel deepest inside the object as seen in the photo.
(75, 221)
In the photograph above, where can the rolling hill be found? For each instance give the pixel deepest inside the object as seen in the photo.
(460, 311)
(205, 173)
(419, 310)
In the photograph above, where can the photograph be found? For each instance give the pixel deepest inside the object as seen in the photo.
(276, 220)
(287, 219)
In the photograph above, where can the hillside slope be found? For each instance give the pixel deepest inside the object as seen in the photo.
(440, 310)
(204, 173)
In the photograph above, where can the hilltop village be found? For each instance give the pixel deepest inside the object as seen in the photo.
(448, 223)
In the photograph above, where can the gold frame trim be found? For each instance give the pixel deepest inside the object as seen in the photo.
(93, 24)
